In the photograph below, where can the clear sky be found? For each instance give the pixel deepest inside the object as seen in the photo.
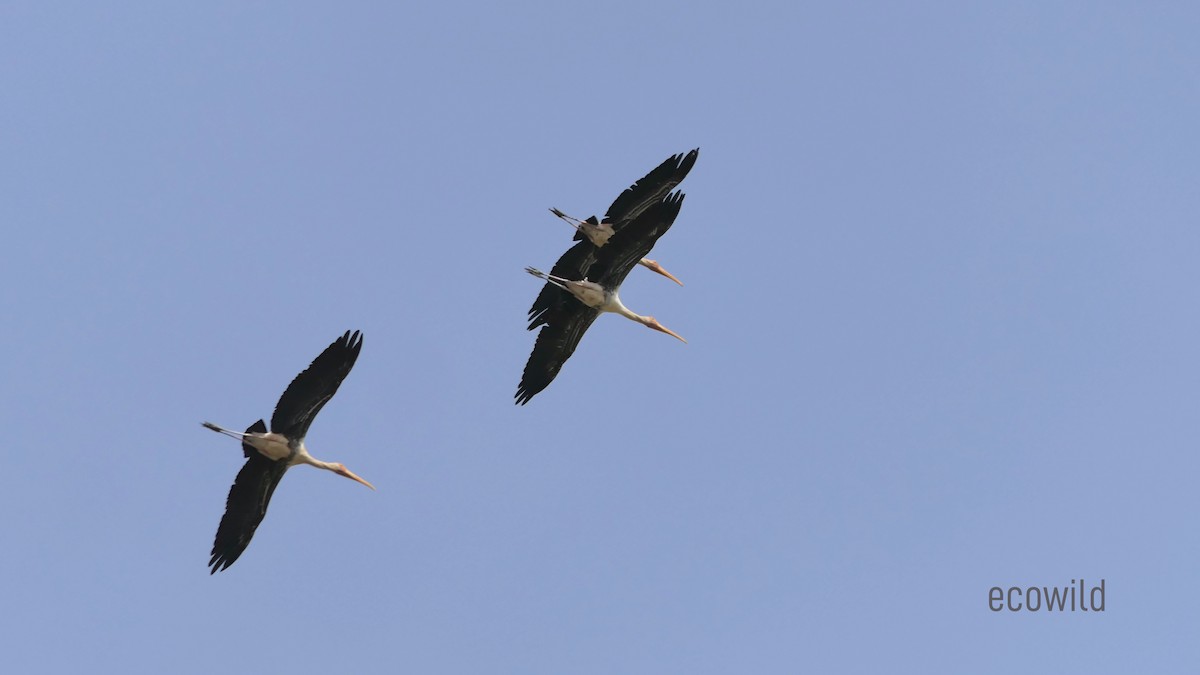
(941, 270)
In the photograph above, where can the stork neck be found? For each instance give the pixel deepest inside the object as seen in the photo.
(303, 457)
(328, 466)
(620, 308)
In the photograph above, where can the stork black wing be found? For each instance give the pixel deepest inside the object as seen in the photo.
(552, 300)
(313, 388)
(650, 189)
(555, 344)
(616, 258)
(246, 505)
(578, 261)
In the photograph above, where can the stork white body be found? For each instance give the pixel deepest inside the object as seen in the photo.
(276, 447)
(599, 298)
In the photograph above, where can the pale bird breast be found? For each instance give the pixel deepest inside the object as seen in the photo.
(271, 445)
(589, 293)
(600, 235)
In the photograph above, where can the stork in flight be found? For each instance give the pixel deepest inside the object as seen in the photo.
(574, 303)
(628, 205)
(269, 454)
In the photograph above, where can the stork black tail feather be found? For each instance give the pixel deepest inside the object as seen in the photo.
(259, 427)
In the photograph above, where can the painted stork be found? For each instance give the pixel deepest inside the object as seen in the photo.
(628, 205)
(269, 454)
(579, 301)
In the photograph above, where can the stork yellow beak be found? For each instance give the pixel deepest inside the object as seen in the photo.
(653, 323)
(653, 266)
(343, 471)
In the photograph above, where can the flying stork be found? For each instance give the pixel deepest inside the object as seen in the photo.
(580, 300)
(628, 205)
(269, 454)
(592, 234)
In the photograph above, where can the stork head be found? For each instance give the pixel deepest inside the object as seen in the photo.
(653, 266)
(341, 470)
(653, 323)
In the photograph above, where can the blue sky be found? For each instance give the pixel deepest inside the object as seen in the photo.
(940, 267)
